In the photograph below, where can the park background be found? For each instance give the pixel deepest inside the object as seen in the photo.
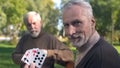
(106, 12)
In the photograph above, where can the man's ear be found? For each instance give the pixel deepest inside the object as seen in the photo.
(93, 22)
(41, 22)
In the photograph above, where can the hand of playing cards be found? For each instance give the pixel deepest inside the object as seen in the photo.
(36, 56)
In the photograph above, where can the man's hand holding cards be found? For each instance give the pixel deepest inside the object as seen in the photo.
(36, 56)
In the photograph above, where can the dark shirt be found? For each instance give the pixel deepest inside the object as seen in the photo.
(102, 55)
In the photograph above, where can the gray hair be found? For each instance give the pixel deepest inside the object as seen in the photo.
(81, 3)
(33, 13)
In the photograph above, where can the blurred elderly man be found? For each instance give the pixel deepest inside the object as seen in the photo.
(57, 52)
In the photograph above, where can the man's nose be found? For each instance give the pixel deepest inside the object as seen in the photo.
(71, 30)
(32, 26)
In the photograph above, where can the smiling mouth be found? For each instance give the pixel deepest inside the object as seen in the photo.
(77, 39)
(32, 31)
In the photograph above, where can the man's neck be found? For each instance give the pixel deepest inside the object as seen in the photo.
(91, 41)
(82, 51)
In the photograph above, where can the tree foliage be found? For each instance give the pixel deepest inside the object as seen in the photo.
(12, 11)
(107, 14)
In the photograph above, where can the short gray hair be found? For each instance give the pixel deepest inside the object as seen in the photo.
(81, 3)
(33, 13)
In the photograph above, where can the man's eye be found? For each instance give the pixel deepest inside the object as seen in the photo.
(28, 24)
(75, 23)
(66, 25)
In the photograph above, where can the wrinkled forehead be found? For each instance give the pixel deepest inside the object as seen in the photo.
(74, 12)
(75, 9)
(32, 18)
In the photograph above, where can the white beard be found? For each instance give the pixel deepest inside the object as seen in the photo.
(80, 42)
(35, 34)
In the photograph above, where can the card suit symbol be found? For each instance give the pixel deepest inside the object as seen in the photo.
(24, 58)
(34, 51)
(27, 54)
(27, 60)
(36, 55)
(34, 61)
(43, 55)
(40, 60)
(36, 58)
(39, 63)
(38, 52)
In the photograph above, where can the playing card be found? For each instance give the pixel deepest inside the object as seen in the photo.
(34, 52)
(36, 56)
(27, 57)
(40, 58)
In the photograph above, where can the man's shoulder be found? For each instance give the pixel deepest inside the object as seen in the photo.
(25, 35)
(46, 34)
(49, 36)
(102, 42)
(105, 47)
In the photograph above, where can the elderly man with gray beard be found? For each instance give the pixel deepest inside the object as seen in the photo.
(93, 50)
(57, 52)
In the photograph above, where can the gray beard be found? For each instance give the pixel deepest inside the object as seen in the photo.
(35, 34)
(80, 43)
